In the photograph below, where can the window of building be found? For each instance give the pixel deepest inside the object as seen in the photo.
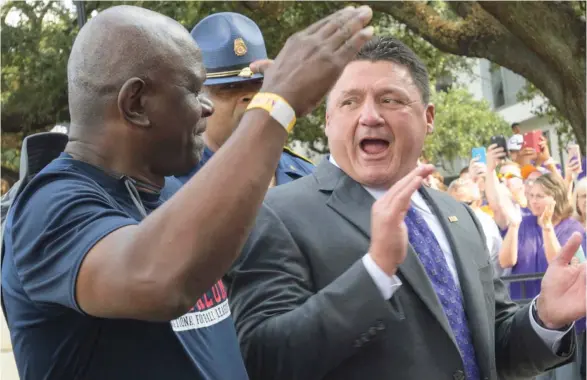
(444, 83)
(505, 86)
(497, 88)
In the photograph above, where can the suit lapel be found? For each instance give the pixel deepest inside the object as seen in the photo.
(461, 239)
(353, 203)
(350, 200)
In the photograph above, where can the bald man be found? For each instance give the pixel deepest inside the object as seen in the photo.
(98, 286)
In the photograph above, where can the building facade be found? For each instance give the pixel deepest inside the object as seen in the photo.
(500, 87)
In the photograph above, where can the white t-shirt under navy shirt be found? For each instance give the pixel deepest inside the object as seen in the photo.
(63, 212)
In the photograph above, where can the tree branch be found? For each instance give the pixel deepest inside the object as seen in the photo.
(271, 8)
(462, 8)
(44, 11)
(456, 37)
(550, 29)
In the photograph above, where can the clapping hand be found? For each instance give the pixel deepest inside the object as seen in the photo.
(545, 220)
(389, 234)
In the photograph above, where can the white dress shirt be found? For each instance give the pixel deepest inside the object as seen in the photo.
(493, 239)
(388, 285)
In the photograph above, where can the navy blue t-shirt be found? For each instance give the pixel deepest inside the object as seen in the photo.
(55, 221)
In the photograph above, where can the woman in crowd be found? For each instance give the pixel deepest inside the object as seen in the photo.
(531, 244)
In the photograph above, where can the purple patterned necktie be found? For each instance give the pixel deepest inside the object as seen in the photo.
(432, 258)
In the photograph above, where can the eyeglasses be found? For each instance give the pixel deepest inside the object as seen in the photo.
(508, 176)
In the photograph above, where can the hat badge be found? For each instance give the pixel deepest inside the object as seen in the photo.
(246, 73)
(240, 48)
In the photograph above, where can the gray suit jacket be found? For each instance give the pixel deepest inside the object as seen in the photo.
(306, 308)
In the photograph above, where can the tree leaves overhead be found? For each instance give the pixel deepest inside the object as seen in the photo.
(35, 52)
(34, 57)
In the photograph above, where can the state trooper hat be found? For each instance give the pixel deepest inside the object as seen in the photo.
(229, 43)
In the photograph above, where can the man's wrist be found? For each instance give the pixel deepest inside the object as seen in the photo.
(389, 269)
(276, 106)
(536, 306)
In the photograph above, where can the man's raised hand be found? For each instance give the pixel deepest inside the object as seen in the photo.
(312, 60)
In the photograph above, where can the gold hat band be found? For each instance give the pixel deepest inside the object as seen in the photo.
(244, 73)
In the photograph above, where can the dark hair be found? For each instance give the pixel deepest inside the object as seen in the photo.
(393, 50)
(515, 125)
(464, 170)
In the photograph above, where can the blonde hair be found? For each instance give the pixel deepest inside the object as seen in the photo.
(554, 186)
(441, 186)
(581, 186)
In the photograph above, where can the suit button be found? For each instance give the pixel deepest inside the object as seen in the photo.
(380, 326)
(364, 338)
(372, 331)
(358, 343)
(459, 375)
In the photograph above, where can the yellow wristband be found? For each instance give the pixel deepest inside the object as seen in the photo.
(278, 108)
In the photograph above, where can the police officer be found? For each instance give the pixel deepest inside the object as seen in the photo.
(230, 42)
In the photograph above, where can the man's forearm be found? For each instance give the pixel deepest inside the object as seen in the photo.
(194, 237)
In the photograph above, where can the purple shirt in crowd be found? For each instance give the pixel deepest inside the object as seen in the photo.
(531, 256)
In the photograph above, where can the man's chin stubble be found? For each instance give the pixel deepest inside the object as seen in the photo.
(198, 149)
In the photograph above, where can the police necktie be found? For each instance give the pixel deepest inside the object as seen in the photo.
(432, 258)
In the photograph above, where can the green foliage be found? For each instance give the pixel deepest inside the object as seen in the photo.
(11, 144)
(461, 124)
(35, 52)
(34, 58)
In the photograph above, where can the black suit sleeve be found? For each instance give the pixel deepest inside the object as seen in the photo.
(288, 329)
(519, 350)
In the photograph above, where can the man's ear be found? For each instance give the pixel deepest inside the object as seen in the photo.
(430, 119)
(131, 102)
(326, 122)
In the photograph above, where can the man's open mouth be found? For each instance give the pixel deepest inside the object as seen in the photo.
(374, 146)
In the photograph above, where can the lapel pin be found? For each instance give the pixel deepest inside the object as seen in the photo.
(453, 219)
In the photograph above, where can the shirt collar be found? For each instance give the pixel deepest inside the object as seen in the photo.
(378, 193)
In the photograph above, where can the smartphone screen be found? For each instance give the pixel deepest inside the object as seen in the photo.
(575, 153)
(532, 140)
(480, 153)
(500, 141)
